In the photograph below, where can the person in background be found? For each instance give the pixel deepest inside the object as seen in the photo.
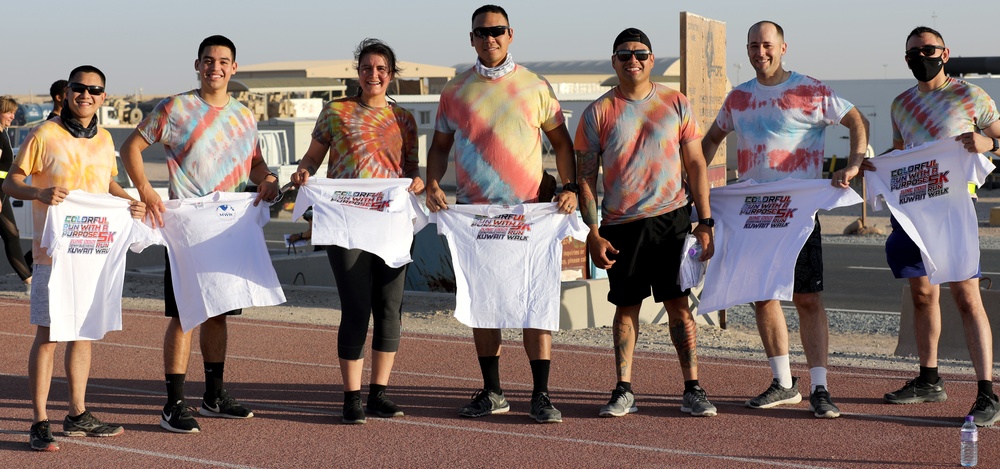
(19, 260)
(57, 91)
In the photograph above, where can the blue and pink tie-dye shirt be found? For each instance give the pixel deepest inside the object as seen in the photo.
(208, 148)
(948, 111)
(639, 143)
(496, 123)
(780, 129)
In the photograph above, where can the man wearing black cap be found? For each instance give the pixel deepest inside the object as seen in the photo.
(644, 136)
(780, 118)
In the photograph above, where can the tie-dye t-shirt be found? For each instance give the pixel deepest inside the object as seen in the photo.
(54, 158)
(780, 129)
(955, 108)
(496, 123)
(639, 143)
(208, 148)
(366, 142)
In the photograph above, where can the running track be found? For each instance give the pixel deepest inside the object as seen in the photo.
(287, 374)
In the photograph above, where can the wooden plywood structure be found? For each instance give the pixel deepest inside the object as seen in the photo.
(703, 78)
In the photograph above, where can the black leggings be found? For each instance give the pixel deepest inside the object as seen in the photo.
(367, 287)
(12, 240)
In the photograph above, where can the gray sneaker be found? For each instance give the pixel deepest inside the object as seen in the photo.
(986, 411)
(622, 403)
(821, 405)
(696, 403)
(485, 403)
(776, 395)
(542, 409)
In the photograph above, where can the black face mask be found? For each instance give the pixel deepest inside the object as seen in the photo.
(925, 68)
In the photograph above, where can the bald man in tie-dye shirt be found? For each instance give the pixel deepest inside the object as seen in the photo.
(493, 115)
(644, 136)
(941, 107)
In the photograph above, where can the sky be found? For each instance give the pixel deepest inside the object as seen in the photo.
(151, 46)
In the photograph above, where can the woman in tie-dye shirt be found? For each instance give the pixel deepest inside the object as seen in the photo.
(367, 137)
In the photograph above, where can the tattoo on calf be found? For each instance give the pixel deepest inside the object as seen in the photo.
(683, 335)
(625, 335)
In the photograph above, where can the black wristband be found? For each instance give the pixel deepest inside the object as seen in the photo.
(571, 187)
(709, 222)
(996, 145)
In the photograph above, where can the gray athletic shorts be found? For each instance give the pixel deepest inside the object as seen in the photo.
(40, 295)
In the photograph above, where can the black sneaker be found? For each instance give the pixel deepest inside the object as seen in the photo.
(177, 418)
(88, 425)
(696, 403)
(916, 391)
(821, 405)
(40, 437)
(485, 403)
(986, 411)
(776, 395)
(226, 407)
(379, 405)
(353, 413)
(542, 409)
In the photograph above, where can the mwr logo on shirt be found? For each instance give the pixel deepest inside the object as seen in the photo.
(767, 211)
(87, 235)
(508, 226)
(366, 200)
(919, 181)
(226, 212)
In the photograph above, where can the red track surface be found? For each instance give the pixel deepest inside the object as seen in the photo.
(287, 374)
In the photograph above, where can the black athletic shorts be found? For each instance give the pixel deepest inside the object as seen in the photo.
(649, 257)
(169, 302)
(809, 265)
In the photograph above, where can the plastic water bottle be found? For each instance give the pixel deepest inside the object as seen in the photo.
(970, 443)
(695, 251)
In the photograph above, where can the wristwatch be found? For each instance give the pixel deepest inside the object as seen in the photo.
(709, 222)
(272, 174)
(571, 187)
(996, 145)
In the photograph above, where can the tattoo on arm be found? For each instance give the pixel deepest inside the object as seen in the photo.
(587, 166)
(682, 334)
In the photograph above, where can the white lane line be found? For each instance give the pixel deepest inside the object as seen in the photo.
(854, 311)
(861, 267)
(155, 454)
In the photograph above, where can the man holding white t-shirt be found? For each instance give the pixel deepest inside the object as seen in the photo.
(780, 118)
(940, 107)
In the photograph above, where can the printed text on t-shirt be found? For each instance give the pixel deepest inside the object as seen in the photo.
(919, 181)
(366, 200)
(88, 235)
(508, 226)
(767, 211)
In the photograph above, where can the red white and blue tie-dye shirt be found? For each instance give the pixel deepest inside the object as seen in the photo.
(208, 148)
(954, 108)
(780, 129)
(639, 143)
(366, 142)
(496, 123)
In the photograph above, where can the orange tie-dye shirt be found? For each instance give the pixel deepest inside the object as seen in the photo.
(367, 142)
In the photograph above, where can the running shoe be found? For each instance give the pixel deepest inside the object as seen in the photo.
(776, 395)
(622, 403)
(177, 418)
(484, 403)
(986, 411)
(821, 405)
(379, 405)
(695, 402)
(40, 437)
(226, 407)
(88, 425)
(542, 409)
(353, 413)
(916, 391)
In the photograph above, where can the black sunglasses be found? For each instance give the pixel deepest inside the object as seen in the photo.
(492, 31)
(925, 51)
(79, 88)
(624, 55)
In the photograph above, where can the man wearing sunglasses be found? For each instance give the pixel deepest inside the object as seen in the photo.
(942, 107)
(646, 215)
(54, 155)
(211, 145)
(780, 118)
(492, 114)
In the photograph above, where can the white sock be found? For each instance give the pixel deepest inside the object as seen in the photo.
(781, 370)
(818, 377)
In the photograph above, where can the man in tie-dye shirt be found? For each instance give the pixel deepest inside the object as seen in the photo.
(780, 118)
(942, 107)
(644, 135)
(211, 145)
(492, 115)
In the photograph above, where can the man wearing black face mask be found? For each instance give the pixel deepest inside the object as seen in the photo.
(942, 107)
